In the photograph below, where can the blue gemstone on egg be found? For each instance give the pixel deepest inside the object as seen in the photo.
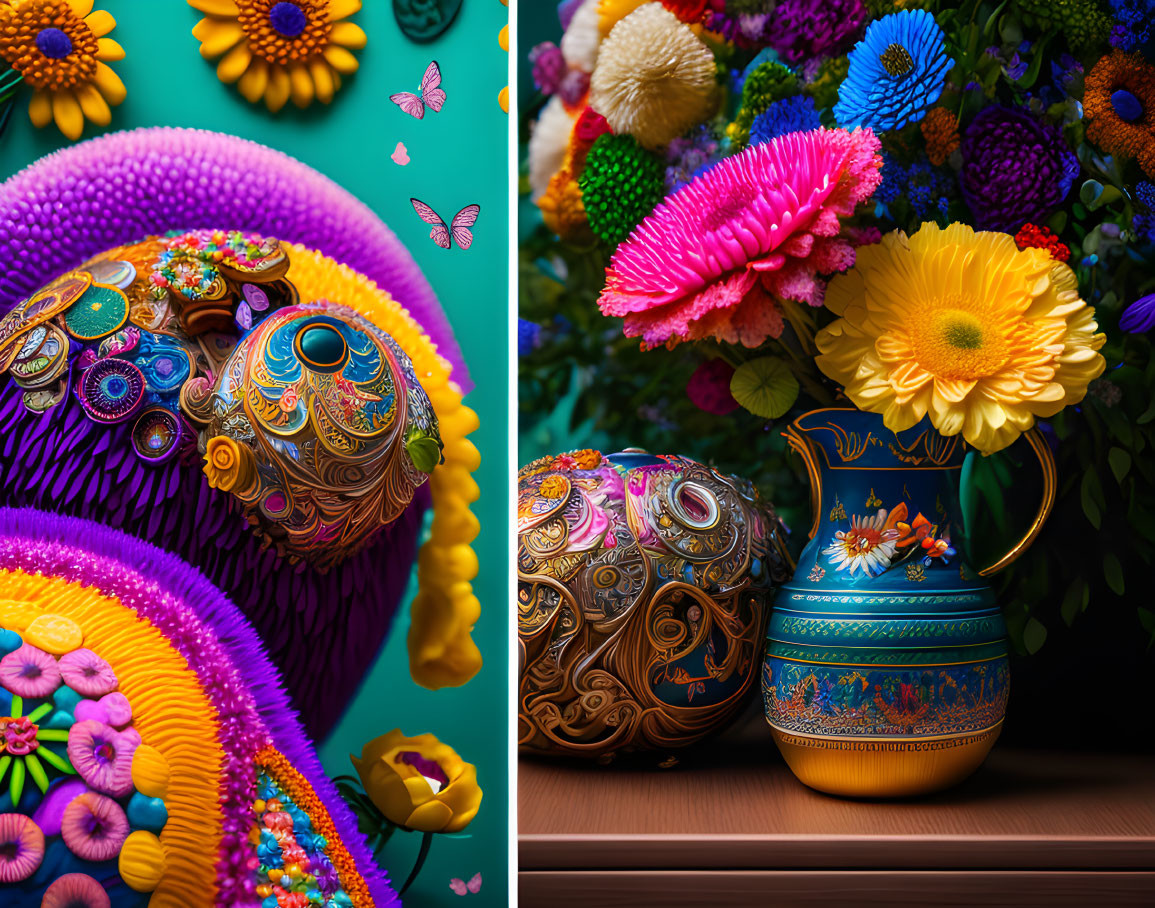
(1126, 105)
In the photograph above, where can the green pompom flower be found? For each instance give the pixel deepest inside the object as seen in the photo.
(769, 82)
(621, 184)
(1082, 22)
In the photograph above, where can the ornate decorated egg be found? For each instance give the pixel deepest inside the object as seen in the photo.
(643, 585)
(268, 415)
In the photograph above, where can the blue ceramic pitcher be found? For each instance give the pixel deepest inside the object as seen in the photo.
(886, 667)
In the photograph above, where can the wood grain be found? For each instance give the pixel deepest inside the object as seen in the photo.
(743, 810)
(879, 889)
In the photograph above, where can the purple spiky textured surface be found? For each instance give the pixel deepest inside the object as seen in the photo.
(219, 646)
(120, 188)
(323, 631)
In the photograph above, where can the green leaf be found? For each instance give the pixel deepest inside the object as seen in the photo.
(1089, 192)
(1092, 495)
(766, 387)
(1034, 635)
(1113, 571)
(424, 451)
(1120, 462)
(1058, 221)
(1075, 601)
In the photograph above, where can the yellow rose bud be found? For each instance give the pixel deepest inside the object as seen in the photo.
(419, 783)
(229, 465)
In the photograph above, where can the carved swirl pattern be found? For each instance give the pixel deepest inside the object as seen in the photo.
(642, 601)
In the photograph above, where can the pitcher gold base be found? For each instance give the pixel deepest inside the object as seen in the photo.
(884, 767)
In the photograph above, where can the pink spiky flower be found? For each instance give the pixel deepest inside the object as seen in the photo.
(761, 225)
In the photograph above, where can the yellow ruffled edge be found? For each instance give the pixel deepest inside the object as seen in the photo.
(94, 101)
(221, 35)
(441, 651)
(173, 716)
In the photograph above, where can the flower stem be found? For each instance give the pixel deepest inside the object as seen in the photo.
(426, 841)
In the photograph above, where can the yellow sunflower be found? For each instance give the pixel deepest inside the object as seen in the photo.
(964, 326)
(280, 49)
(60, 50)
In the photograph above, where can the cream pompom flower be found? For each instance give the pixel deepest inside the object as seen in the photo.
(548, 144)
(963, 326)
(60, 49)
(582, 39)
(281, 49)
(655, 78)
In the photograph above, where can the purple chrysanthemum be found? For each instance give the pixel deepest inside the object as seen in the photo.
(122, 187)
(1016, 169)
(1139, 318)
(549, 67)
(816, 28)
(218, 644)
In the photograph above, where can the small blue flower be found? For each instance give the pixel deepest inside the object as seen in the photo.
(528, 336)
(896, 72)
(793, 114)
(1140, 316)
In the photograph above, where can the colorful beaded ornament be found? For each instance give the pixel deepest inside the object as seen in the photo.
(145, 730)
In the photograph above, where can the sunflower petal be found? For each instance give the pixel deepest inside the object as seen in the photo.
(108, 50)
(234, 63)
(340, 9)
(93, 104)
(322, 80)
(217, 37)
(109, 84)
(253, 83)
(80, 7)
(40, 108)
(68, 115)
(279, 88)
(341, 60)
(301, 85)
(347, 34)
(223, 8)
(101, 22)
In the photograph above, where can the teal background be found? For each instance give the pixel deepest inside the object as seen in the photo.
(458, 157)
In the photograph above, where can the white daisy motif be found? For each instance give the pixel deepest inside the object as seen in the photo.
(867, 546)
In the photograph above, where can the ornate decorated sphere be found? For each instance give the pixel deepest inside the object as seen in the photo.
(643, 585)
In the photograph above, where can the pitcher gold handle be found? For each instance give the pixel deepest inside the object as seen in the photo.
(1050, 485)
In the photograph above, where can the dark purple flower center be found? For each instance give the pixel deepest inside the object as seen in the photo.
(428, 768)
(53, 43)
(896, 60)
(9, 851)
(31, 670)
(94, 826)
(1127, 106)
(288, 19)
(104, 753)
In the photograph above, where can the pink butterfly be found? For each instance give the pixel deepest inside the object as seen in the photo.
(458, 230)
(463, 888)
(431, 94)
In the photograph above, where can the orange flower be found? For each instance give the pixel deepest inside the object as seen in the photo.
(587, 458)
(554, 487)
(60, 49)
(562, 209)
(1119, 107)
(940, 129)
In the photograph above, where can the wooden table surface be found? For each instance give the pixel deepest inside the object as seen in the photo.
(730, 820)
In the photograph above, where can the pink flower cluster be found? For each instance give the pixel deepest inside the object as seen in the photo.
(713, 259)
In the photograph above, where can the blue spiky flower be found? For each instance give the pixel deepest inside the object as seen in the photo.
(896, 72)
(794, 114)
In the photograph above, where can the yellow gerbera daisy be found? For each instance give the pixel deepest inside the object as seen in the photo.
(964, 326)
(280, 49)
(60, 50)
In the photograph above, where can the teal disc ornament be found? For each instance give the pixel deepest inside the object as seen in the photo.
(422, 21)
